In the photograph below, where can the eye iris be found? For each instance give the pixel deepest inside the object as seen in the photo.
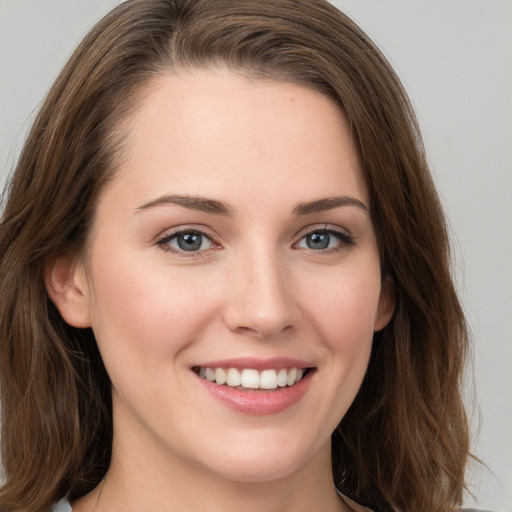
(318, 240)
(189, 241)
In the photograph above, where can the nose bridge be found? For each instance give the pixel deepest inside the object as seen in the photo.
(260, 301)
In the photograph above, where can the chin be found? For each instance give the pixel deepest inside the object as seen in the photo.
(254, 464)
(256, 471)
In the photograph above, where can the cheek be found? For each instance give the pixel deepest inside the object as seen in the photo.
(348, 303)
(341, 315)
(141, 310)
(343, 312)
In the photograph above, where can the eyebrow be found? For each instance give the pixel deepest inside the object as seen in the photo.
(221, 208)
(193, 202)
(328, 203)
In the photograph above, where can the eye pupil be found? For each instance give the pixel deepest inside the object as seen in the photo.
(318, 240)
(189, 241)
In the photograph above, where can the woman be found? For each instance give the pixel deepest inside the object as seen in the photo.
(225, 275)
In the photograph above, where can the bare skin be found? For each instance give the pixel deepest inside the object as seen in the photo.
(286, 265)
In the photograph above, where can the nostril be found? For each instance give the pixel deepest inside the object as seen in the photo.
(263, 330)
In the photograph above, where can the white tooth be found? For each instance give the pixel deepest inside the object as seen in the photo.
(292, 375)
(220, 376)
(202, 372)
(282, 377)
(233, 377)
(300, 373)
(250, 379)
(210, 374)
(268, 379)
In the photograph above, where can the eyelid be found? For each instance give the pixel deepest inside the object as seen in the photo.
(326, 228)
(186, 228)
(346, 239)
(163, 239)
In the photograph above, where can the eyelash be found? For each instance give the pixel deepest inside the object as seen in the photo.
(163, 243)
(345, 240)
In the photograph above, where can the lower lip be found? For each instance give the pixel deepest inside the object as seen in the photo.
(259, 403)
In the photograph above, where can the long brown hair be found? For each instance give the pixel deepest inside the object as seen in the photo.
(403, 445)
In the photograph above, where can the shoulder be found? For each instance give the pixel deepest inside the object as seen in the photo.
(352, 504)
(62, 506)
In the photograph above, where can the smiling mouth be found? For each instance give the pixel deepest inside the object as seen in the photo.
(249, 379)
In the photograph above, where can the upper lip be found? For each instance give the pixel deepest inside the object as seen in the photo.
(257, 363)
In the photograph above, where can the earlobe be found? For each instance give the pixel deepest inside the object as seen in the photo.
(66, 285)
(386, 306)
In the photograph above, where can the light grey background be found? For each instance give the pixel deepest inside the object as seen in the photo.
(455, 59)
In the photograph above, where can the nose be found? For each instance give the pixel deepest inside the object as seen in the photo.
(260, 296)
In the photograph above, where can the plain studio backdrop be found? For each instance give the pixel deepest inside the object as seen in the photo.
(455, 60)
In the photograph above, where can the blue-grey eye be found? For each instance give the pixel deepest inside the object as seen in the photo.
(190, 241)
(320, 240)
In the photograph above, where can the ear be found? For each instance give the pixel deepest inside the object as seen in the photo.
(66, 284)
(386, 305)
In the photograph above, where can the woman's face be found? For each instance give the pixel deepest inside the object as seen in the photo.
(235, 243)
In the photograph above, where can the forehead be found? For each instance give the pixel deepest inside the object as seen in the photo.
(214, 132)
